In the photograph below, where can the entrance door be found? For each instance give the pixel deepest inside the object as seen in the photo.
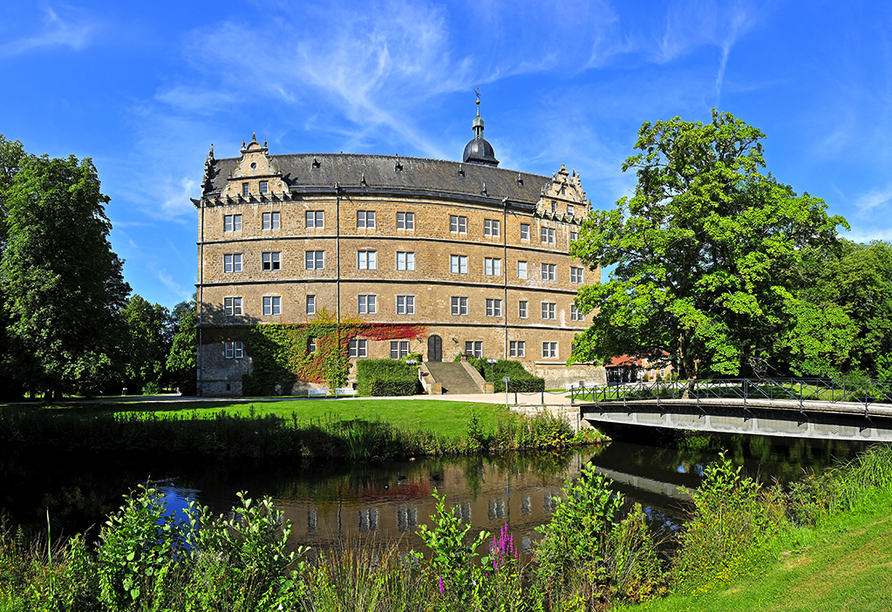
(435, 348)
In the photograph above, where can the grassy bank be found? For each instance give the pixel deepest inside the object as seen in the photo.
(842, 564)
(356, 429)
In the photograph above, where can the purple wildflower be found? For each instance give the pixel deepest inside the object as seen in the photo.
(441, 585)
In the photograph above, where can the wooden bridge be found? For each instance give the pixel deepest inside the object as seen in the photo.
(800, 408)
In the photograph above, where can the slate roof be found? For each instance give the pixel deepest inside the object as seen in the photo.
(309, 171)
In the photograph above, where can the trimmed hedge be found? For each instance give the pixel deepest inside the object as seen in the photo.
(384, 377)
(521, 380)
(384, 387)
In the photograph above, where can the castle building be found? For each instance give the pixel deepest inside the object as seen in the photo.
(474, 253)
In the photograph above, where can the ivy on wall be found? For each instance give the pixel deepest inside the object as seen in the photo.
(315, 352)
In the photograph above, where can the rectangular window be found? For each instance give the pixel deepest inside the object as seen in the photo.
(311, 304)
(272, 305)
(232, 263)
(405, 220)
(264, 186)
(315, 219)
(367, 304)
(399, 349)
(245, 190)
(549, 272)
(271, 261)
(232, 223)
(357, 349)
(521, 269)
(234, 350)
(459, 306)
(367, 260)
(549, 350)
(458, 224)
(575, 275)
(312, 345)
(524, 231)
(547, 235)
(365, 219)
(549, 310)
(493, 308)
(270, 220)
(458, 264)
(405, 304)
(315, 260)
(491, 227)
(517, 348)
(232, 306)
(522, 309)
(569, 210)
(405, 261)
(474, 348)
(492, 267)
(574, 236)
(575, 315)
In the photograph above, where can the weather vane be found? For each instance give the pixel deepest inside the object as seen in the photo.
(477, 92)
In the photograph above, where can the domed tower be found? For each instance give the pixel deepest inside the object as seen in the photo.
(478, 150)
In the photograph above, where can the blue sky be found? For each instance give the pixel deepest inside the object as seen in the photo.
(144, 88)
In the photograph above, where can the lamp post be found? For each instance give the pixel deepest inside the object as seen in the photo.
(506, 380)
(491, 361)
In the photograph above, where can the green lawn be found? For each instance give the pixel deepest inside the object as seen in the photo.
(845, 564)
(444, 417)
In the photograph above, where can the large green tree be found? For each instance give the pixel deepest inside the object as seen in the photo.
(181, 362)
(61, 281)
(148, 343)
(710, 257)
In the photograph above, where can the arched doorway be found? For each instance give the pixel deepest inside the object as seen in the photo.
(435, 348)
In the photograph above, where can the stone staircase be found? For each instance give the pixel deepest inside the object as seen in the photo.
(453, 377)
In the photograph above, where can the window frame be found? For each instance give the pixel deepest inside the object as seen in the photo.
(458, 264)
(367, 303)
(367, 217)
(357, 348)
(524, 231)
(310, 304)
(575, 314)
(316, 258)
(314, 219)
(458, 303)
(272, 305)
(400, 348)
(492, 266)
(494, 307)
(546, 235)
(577, 275)
(271, 261)
(517, 348)
(549, 311)
(491, 227)
(408, 262)
(233, 349)
(366, 260)
(476, 348)
(524, 265)
(405, 305)
(549, 349)
(548, 271)
(232, 262)
(407, 222)
(523, 309)
(459, 222)
(271, 220)
(233, 306)
(232, 222)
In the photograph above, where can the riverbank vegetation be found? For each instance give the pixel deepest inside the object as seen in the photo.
(822, 543)
(354, 429)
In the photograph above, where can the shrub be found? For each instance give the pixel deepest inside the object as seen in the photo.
(521, 380)
(732, 519)
(368, 371)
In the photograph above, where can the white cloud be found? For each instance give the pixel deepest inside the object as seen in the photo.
(174, 287)
(56, 32)
(867, 202)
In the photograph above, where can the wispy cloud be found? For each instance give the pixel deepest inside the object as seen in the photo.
(174, 287)
(868, 202)
(55, 32)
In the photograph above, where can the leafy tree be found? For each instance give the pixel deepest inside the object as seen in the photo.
(149, 342)
(181, 362)
(61, 281)
(709, 256)
(860, 281)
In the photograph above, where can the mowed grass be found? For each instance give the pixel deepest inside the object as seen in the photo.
(444, 417)
(845, 564)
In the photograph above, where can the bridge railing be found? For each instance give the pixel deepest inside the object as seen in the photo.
(795, 389)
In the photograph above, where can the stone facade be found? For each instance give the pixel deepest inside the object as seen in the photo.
(476, 253)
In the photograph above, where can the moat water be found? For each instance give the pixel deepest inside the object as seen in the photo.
(338, 502)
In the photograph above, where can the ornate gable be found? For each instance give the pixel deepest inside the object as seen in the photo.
(255, 175)
(563, 196)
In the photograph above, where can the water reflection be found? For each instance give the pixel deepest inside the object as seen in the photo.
(338, 501)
